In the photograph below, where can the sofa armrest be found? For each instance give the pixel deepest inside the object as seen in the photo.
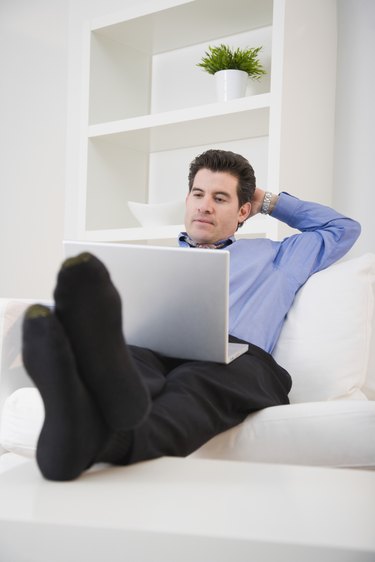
(12, 372)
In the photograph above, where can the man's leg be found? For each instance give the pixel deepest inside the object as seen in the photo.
(74, 431)
(88, 382)
(89, 309)
(201, 399)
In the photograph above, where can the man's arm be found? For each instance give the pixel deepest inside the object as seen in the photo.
(325, 236)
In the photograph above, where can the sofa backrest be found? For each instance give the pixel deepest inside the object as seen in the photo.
(328, 339)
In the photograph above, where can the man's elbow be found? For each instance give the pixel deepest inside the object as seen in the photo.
(356, 229)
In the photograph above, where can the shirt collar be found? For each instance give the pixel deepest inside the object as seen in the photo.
(184, 240)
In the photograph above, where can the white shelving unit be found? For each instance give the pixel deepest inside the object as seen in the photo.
(151, 109)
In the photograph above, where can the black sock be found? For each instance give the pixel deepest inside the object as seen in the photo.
(74, 432)
(89, 308)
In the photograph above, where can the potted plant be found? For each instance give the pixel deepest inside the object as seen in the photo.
(232, 68)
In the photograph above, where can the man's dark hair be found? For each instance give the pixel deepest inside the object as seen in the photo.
(230, 162)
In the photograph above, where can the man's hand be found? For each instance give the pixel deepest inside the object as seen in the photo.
(257, 201)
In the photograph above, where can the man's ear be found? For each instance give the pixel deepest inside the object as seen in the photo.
(244, 212)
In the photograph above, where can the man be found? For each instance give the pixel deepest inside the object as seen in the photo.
(107, 401)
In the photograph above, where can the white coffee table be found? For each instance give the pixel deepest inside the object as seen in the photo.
(189, 510)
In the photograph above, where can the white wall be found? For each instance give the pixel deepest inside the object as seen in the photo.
(33, 62)
(354, 181)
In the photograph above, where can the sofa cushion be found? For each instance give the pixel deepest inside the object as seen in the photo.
(295, 434)
(12, 372)
(21, 421)
(338, 434)
(325, 342)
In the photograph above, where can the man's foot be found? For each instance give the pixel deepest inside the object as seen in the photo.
(74, 432)
(89, 308)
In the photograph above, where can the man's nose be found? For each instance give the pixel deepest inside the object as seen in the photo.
(205, 205)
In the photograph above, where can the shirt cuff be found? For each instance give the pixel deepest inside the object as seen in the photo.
(285, 208)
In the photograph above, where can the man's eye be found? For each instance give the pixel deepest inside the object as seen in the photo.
(219, 199)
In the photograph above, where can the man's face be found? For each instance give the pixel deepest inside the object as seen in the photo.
(212, 208)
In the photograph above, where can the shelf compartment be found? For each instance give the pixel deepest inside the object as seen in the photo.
(118, 173)
(190, 22)
(131, 61)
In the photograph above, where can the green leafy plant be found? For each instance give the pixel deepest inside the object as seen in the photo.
(223, 57)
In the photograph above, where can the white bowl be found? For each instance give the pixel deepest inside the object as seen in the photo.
(158, 214)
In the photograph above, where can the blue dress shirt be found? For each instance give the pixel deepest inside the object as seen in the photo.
(265, 275)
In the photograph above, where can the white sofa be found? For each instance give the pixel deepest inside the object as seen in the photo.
(328, 346)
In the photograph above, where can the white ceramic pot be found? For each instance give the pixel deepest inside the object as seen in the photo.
(230, 84)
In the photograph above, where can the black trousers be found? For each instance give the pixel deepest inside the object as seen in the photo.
(192, 401)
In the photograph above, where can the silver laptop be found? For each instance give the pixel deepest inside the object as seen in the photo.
(175, 300)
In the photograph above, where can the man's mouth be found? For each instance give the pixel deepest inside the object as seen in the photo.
(203, 221)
